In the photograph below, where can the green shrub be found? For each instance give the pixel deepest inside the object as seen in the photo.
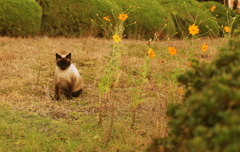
(19, 17)
(223, 14)
(188, 12)
(149, 18)
(72, 18)
(208, 119)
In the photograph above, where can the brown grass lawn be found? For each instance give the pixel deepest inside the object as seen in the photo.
(26, 83)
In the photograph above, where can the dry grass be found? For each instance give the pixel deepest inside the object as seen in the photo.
(26, 80)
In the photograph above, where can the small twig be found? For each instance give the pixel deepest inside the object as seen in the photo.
(38, 74)
(133, 117)
(111, 124)
(100, 110)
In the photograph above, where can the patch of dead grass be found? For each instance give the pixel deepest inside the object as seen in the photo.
(27, 70)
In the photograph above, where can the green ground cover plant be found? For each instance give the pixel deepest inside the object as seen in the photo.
(22, 131)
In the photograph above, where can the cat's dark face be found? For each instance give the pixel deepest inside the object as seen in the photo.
(63, 62)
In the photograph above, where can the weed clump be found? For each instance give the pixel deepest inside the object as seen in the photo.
(207, 120)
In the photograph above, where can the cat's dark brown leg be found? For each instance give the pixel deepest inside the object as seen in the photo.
(57, 90)
(68, 91)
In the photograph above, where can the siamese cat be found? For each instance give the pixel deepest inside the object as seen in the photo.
(67, 78)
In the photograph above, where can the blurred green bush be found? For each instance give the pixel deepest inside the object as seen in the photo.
(208, 119)
(20, 18)
(72, 18)
(188, 12)
(150, 17)
(224, 15)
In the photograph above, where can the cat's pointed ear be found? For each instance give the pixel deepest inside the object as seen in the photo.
(69, 56)
(58, 56)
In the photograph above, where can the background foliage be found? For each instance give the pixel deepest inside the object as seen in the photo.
(20, 18)
(72, 18)
(150, 17)
(188, 12)
(223, 14)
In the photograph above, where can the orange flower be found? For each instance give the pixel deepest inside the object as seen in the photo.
(172, 50)
(107, 18)
(193, 29)
(161, 61)
(122, 17)
(189, 64)
(204, 47)
(151, 53)
(116, 38)
(227, 29)
(180, 91)
(213, 8)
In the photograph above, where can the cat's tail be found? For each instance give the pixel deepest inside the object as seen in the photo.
(77, 93)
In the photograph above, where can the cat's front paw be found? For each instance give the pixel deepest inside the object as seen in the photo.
(69, 97)
(56, 97)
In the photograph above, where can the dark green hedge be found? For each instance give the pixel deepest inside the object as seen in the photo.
(188, 12)
(72, 18)
(208, 119)
(223, 14)
(150, 17)
(19, 17)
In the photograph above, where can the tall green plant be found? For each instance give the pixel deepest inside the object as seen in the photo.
(111, 71)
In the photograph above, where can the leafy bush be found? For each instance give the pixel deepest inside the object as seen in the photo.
(72, 18)
(19, 18)
(223, 14)
(208, 119)
(188, 12)
(149, 18)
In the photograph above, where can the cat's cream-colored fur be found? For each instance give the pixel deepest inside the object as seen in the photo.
(67, 78)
